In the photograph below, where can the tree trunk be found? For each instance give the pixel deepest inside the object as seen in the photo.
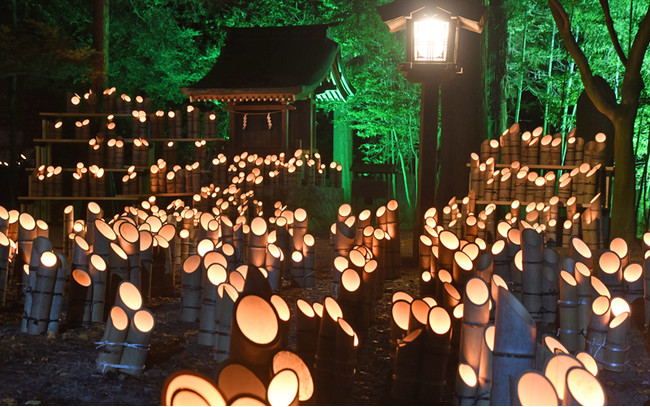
(623, 214)
(549, 83)
(520, 88)
(494, 60)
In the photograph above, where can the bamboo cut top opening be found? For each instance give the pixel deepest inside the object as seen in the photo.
(256, 319)
(533, 389)
(585, 388)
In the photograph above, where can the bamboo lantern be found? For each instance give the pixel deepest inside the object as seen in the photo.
(570, 335)
(633, 281)
(191, 288)
(254, 334)
(549, 284)
(501, 266)
(609, 271)
(187, 388)
(485, 366)
(236, 380)
(227, 297)
(128, 298)
(43, 289)
(309, 257)
(98, 271)
(549, 347)
(467, 386)
(136, 344)
(400, 316)
(216, 274)
(448, 244)
(514, 345)
(30, 273)
(273, 263)
(588, 362)
(5, 248)
(404, 385)
(112, 343)
(285, 359)
(363, 221)
(581, 252)
(258, 242)
(532, 256)
(283, 389)
(307, 323)
(462, 268)
(129, 239)
(476, 315)
(617, 343)
(583, 389)
(284, 315)
(556, 371)
(79, 310)
(534, 389)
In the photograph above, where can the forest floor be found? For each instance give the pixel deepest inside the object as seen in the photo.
(41, 370)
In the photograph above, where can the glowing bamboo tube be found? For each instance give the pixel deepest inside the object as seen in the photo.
(425, 253)
(467, 386)
(534, 389)
(345, 359)
(39, 246)
(400, 316)
(235, 380)
(129, 239)
(532, 253)
(285, 359)
(485, 366)
(128, 298)
(633, 281)
(185, 387)
(227, 296)
(548, 347)
(514, 345)
(307, 323)
(112, 342)
(610, 272)
(583, 389)
(570, 336)
(549, 284)
(98, 271)
(78, 299)
(299, 228)
(254, 334)
(451, 297)
(501, 265)
(42, 294)
(476, 315)
(448, 244)
(404, 386)
(462, 268)
(191, 289)
(284, 315)
(283, 389)
(216, 274)
(93, 212)
(556, 370)
(617, 343)
(598, 288)
(379, 254)
(297, 268)
(583, 279)
(136, 344)
(258, 242)
(5, 248)
(581, 252)
(272, 264)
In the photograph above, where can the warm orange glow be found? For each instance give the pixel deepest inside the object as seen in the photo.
(256, 319)
(97, 262)
(467, 374)
(130, 295)
(632, 272)
(49, 259)
(449, 240)
(582, 269)
(305, 308)
(554, 345)
(499, 281)
(514, 236)
(471, 250)
(463, 261)
(588, 362)
(439, 320)
(452, 291)
(477, 291)
(143, 320)
(318, 309)
(618, 306)
(585, 388)
(533, 389)
(581, 247)
(344, 210)
(81, 277)
(556, 370)
(401, 312)
(600, 288)
(26, 221)
(401, 295)
(420, 310)
(459, 311)
(106, 231)
(519, 260)
(349, 331)
(81, 242)
(619, 246)
(566, 276)
(357, 258)
(341, 263)
(426, 276)
(258, 226)
(187, 388)
(609, 262)
(618, 320)
(489, 337)
(288, 360)
(350, 280)
(600, 305)
(281, 307)
(217, 274)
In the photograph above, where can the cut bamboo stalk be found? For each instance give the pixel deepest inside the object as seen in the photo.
(5, 248)
(309, 258)
(112, 342)
(532, 257)
(42, 293)
(283, 389)
(485, 367)
(400, 316)
(307, 325)
(598, 288)
(548, 347)
(462, 268)
(550, 276)
(619, 246)
(285, 359)
(258, 242)
(191, 289)
(273, 263)
(534, 389)
(146, 261)
(448, 245)
(570, 335)
(98, 271)
(93, 212)
(583, 389)
(581, 252)
(610, 272)
(451, 297)
(583, 279)
(404, 385)
(119, 271)
(227, 296)
(78, 303)
(39, 245)
(216, 274)
(236, 380)
(254, 334)
(136, 344)
(514, 345)
(513, 247)
(299, 228)
(425, 253)
(185, 387)
(633, 281)
(467, 386)
(284, 315)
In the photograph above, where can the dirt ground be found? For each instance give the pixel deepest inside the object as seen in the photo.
(37, 370)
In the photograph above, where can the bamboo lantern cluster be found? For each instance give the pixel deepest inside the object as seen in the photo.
(157, 124)
(608, 333)
(178, 179)
(290, 383)
(82, 129)
(420, 334)
(380, 242)
(115, 153)
(46, 181)
(533, 148)
(96, 182)
(295, 256)
(55, 129)
(192, 116)
(130, 182)
(139, 124)
(125, 343)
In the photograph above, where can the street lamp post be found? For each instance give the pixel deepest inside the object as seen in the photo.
(432, 33)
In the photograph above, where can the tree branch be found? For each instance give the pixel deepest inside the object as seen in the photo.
(603, 103)
(604, 4)
(640, 45)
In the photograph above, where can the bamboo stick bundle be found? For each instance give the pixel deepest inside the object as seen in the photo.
(514, 345)
(582, 388)
(42, 292)
(617, 343)
(598, 326)
(532, 258)
(136, 344)
(227, 296)
(570, 335)
(533, 388)
(112, 342)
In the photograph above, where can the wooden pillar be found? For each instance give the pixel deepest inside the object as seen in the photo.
(342, 149)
